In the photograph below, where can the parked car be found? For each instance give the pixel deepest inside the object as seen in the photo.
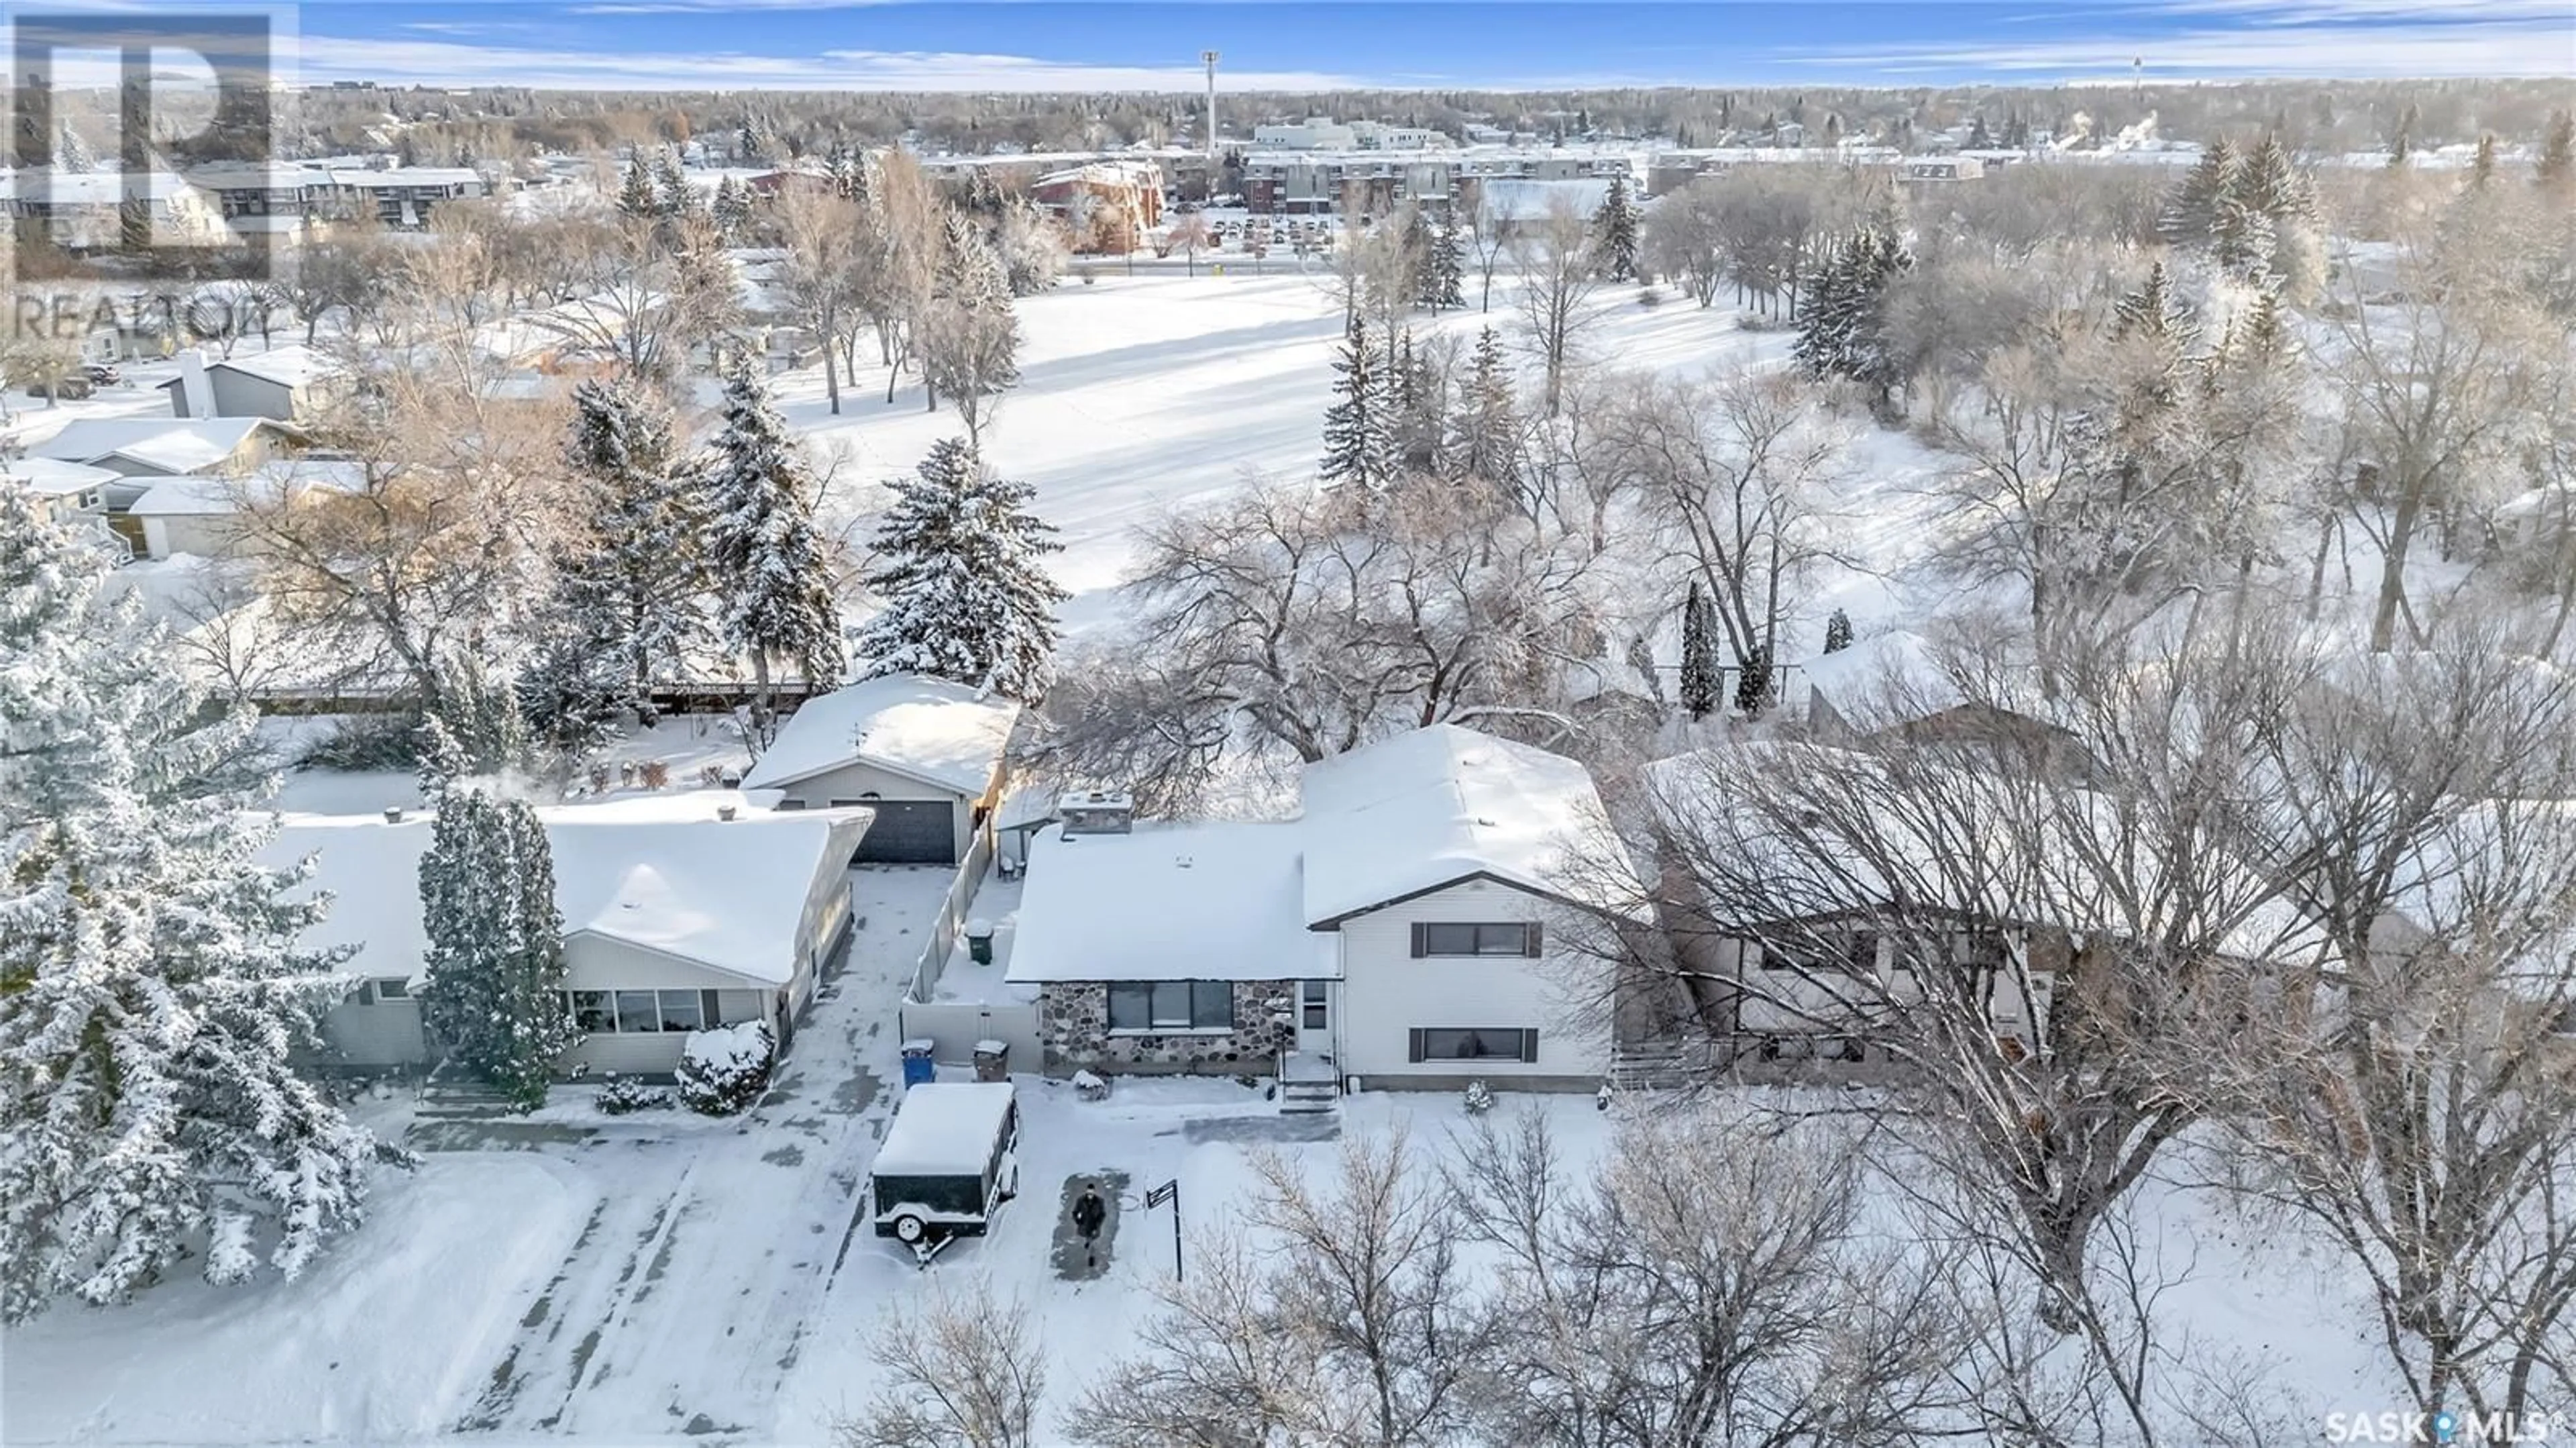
(102, 374)
(948, 1163)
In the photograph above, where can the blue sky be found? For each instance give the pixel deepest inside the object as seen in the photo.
(1003, 45)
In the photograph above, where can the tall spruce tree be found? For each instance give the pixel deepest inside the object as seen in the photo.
(630, 580)
(1700, 676)
(1843, 331)
(492, 992)
(1421, 409)
(967, 595)
(1447, 273)
(151, 984)
(1614, 231)
(473, 729)
(2193, 210)
(732, 210)
(1485, 432)
(1838, 632)
(2556, 168)
(671, 193)
(765, 555)
(635, 194)
(1360, 445)
(1753, 682)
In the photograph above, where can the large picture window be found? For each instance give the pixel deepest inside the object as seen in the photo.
(1474, 1043)
(1511, 937)
(1171, 1005)
(650, 1012)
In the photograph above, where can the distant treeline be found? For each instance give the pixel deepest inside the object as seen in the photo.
(433, 127)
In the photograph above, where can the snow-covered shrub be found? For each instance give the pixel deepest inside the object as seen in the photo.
(1090, 1086)
(725, 1069)
(1480, 1098)
(623, 1094)
(231, 1255)
(1649, 297)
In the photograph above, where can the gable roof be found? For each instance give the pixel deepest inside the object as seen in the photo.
(946, 735)
(660, 873)
(291, 366)
(1213, 901)
(172, 444)
(53, 477)
(1436, 806)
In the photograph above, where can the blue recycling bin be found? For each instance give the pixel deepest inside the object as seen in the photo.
(917, 1065)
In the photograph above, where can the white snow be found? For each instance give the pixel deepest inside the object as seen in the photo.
(945, 1128)
(943, 734)
(1431, 807)
(289, 366)
(1214, 901)
(728, 1050)
(167, 444)
(657, 871)
(53, 477)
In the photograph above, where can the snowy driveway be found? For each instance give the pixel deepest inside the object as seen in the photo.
(611, 1279)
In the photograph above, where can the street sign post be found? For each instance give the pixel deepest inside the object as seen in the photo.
(1169, 1191)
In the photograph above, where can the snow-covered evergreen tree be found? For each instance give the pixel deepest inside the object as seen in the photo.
(1614, 231)
(732, 209)
(2241, 239)
(1421, 409)
(1979, 138)
(630, 581)
(671, 193)
(2193, 209)
(1485, 431)
(2557, 164)
(472, 728)
(1699, 654)
(493, 983)
(635, 195)
(1843, 330)
(764, 554)
(967, 595)
(1838, 632)
(1360, 446)
(1753, 683)
(151, 987)
(1448, 269)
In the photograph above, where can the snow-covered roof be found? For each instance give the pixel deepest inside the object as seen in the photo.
(53, 477)
(96, 188)
(1216, 901)
(660, 872)
(1432, 807)
(1884, 681)
(172, 444)
(369, 178)
(188, 495)
(292, 366)
(943, 734)
(945, 1128)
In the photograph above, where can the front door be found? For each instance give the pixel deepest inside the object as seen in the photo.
(1315, 1017)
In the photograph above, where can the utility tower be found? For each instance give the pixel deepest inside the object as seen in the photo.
(1208, 59)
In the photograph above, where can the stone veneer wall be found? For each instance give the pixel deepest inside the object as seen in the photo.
(1073, 1023)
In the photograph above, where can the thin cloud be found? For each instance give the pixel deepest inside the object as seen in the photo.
(2354, 52)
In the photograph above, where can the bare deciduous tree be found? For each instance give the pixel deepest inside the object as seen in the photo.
(1558, 277)
(961, 1370)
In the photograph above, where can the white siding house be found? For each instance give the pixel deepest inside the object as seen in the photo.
(1401, 932)
(924, 755)
(673, 919)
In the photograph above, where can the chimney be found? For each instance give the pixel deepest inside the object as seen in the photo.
(196, 389)
(1097, 812)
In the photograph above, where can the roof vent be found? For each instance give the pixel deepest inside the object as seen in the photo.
(1097, 812)
(1181, 860)
(724, 811)
(393, 814)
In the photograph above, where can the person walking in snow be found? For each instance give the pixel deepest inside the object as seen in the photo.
(1088, 1213)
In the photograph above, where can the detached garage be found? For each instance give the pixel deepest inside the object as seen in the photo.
(923, 755)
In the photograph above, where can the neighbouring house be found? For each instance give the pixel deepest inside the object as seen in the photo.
(1396, 934)
(1106, 206)
(204, 516)
(81, 211)
(400, 196)
(1899, 684)
(285, 384)
(925, 755)
(172, 446)
(674, 919)
(61, 489)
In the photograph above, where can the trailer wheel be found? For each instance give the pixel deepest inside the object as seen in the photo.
(910, 1229)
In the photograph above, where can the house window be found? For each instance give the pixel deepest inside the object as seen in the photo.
(392, 988)
(1506, 938)
(1171, 1005)
(637, 1011)
(1316, 1004)
(592, 1012)
(680, 1010)
(1473, 1043)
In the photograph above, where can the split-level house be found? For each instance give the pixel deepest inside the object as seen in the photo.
(1408, 929)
